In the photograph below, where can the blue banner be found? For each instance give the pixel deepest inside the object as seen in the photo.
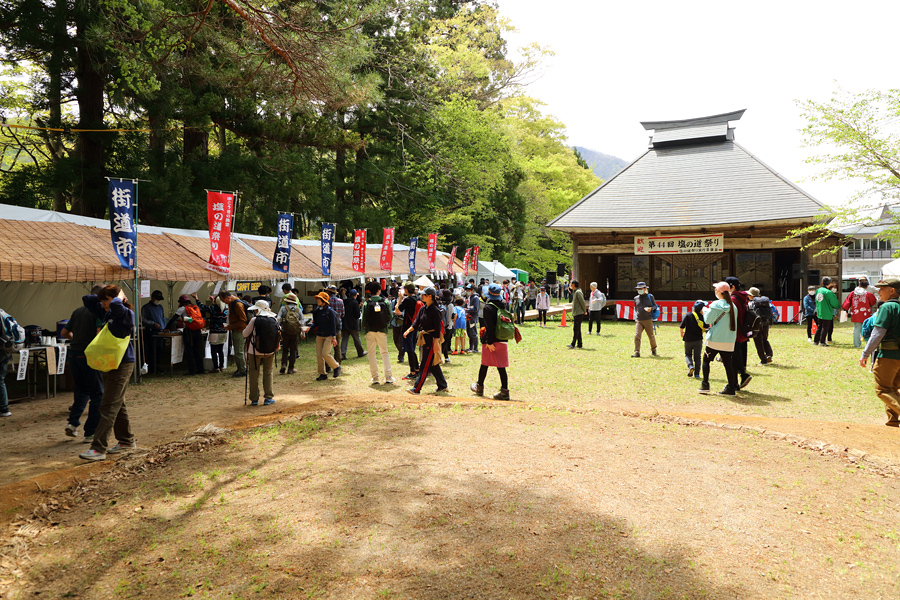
(282, 259)
(121, 222)
(327, 241)
(412, 255)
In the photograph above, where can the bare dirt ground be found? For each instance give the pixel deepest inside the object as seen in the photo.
(467, 501)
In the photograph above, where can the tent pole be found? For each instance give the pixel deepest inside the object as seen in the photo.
(138, 346)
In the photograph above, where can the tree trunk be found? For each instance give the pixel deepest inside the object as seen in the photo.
(91, 190)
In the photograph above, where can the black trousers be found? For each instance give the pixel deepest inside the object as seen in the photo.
(763, 347)
(194, 350)
(740, 358)
(809, 323)
(823, 330)
(727, 361)
(576, 330)
(593, 317)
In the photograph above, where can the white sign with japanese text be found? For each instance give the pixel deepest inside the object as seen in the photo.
(679, 244)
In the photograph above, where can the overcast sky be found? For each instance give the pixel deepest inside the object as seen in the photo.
(619, 63)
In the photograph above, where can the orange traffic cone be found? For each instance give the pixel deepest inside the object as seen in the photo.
(563, 323)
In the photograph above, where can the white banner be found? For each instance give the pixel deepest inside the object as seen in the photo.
(145, 288)
(679, 244)
(50, 353)
(177, 349)
(61, 364)
(23, 364)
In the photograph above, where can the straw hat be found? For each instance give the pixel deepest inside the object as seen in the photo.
(292, 298)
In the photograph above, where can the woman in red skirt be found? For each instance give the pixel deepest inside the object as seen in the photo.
(493, 351)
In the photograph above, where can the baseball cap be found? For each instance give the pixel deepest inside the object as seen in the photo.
(893, 282)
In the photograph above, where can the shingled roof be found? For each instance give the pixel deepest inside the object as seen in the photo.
(693, 175)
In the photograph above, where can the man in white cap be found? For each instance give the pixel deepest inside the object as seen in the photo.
(885, 344)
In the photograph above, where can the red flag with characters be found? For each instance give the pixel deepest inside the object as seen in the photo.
(387, 250)
(219, 207)
(432, 250)
(451, 261)
(359, 251)
(475, 259)
(466, 262)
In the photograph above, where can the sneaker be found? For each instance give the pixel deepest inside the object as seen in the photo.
(71, 430)
(704, 388)
(745, 380)
(412, 391)
(410, 377)
(88, 439)
(697, 376)
(268, 401)
(120, 447)
(690, 371)
(282, 371)
(390, 381)
(570, 347)
(727, 391)
(636, 355)
(254, 403)
(769, 361)
(291, 371)
(337, 371)
(375, 382)
(763, 363)
(6, 414)
(92, 455)
(477, 388)
(365, 353)
(240, 374)
(322, 377)
(653, 352)
(441, 389)
(809, 339)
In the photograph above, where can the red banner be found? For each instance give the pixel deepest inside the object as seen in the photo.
(466, 262)
(359, 251)
(387, 250)
(432, 250)
(475, 259)
(451, 261)
(219, 206)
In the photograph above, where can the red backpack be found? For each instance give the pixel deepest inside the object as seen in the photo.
(197, 320)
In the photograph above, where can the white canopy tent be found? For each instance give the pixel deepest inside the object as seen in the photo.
(892, 269)
(488, 270)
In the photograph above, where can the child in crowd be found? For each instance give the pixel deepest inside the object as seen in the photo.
(542, 303)
(459, 331)
(692, 330)
(809, 310)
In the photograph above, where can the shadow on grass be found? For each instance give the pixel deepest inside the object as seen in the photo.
(362, 524)
(749, 398)
(778, 366)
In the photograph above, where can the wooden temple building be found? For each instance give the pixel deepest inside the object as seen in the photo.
(695, 208)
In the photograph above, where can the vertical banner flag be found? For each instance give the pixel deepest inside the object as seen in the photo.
(359, 251)
(218, 210)
(451, 261)
(432, 250)
(466, 262)
(327, 240)
(475, 259)
(412, 255)
(387, 250)
(282, 259)
(121, 222)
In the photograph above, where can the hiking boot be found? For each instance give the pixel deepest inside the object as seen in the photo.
(636, 355)
(704, 387)
(745, 380)
(282, 370)
(254, 403)
(120, 447)
(322, 377)
(728, 391)
(477, 388)
(653, 352)
(92, 455)
(337, 371)
(268, 401)
(71, 430)
(503, 394)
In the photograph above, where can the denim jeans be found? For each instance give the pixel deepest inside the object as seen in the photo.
(857, 334)
(88, 392)
(4, 399)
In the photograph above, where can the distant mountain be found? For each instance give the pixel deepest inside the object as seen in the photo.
(603, 165)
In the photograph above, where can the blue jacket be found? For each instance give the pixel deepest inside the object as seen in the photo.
(720, 329)
(152, 314)
(809, 305)
(326, 321)
(119, 319)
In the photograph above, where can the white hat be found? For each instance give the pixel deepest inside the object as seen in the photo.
(262, 308)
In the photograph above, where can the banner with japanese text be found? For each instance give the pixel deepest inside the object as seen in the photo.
(466, 262)
(432, 250)
(282, 259)
(387, 250)
(451, 261)
(359, 251)
(219, 207)
(475, 259)
(679, 244)
(412, 255)
(121, 222)
(327, 241)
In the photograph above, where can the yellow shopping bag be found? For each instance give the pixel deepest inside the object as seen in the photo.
(106, 351)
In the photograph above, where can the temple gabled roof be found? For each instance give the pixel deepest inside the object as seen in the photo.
(694, 175)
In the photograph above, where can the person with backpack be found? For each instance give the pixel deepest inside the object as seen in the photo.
(473, 311)
(762, 306)
(459, 326)
(858, 305)
(112, 308)
(327, 325)
(81, 329)
(430, 334)
(409, 307)
(291, 321)
(644, 305)
(692, 329)
(885, 344)
(597, 300)
(724, 325)
(376, 319)
(350, 324)
(397, 323)
(498, 322)
(262, 334)
(741, 300)
(192, 334)
(11, 333)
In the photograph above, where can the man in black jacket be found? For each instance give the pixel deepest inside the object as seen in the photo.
(350, 325)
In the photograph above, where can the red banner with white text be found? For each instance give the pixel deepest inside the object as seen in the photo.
(451, 261)
(475, 259)
(219, 207)
(432, 250)
(387, 250)
(466, 262)
(359, 251)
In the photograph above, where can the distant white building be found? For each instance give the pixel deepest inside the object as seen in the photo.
(868, 253)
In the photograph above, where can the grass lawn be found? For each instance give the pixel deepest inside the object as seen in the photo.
(805, 381)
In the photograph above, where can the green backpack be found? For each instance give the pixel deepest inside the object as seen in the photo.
(505, 329)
